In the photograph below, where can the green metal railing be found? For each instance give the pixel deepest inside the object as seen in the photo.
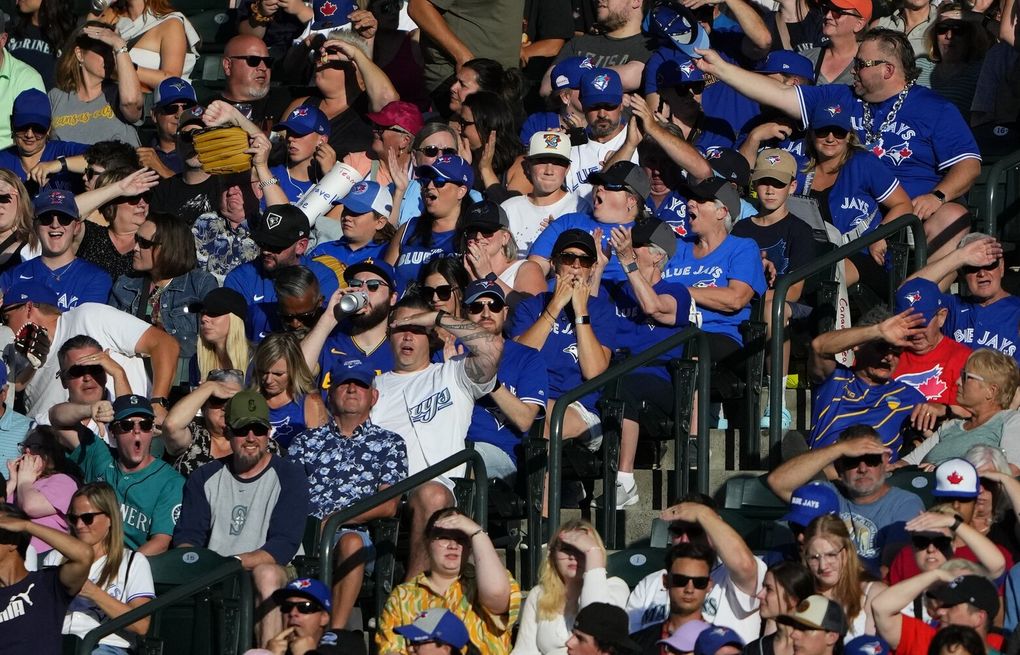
(229, 568)
(611, 375)
(481, 501)
(782, 289)
(998, 185)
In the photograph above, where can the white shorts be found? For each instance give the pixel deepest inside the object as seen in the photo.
(592, 437)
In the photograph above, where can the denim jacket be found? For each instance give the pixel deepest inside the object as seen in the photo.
(182, 291)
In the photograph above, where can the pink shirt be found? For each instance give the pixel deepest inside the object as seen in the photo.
(58, 489)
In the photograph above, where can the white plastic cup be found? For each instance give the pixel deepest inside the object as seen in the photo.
(336, 184)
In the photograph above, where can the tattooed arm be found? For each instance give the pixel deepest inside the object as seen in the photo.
(484, 348)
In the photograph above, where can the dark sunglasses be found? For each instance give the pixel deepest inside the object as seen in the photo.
(302, 317)
(495, 306)
(680, 581)
(37, 130)
(379, 129)
(371, 285)
(956, 28)
(967, 270)
(824, 132)
(217, 403)
(128, 425)
(258, 429)
(437, 182)
(135, 200)
(302, 606)
(253, 61)
(569, 259)
(173, 108)
(921, 542)
(473, 234)
(443, 292)
(871, 461)
(46, 220)
(85, 517)
(5, 198)
(79, 371)
(435, 151)
(602, 105)
(145, 244)
(413, 329)
(839, 11)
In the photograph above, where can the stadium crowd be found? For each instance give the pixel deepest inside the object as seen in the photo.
(393, 228)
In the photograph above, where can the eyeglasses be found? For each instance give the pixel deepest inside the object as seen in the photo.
(127, 425)
(173, 108)
(435, 151)
(5, 198)
(437, 182)
(46, 220)
(495, 306)
(872, 461)
(571, 259)
(302, 606)
(858, 64)
(472, 235)
(413, 329)
(85, 517)
(36, 130)
(134, 201)
(443, 292)
(302, 317)
(253, 61)
(825, 132)
(967, 375)
(824, 557)
(680, 581)
(79, 371)
(838, 11)
(145, 244)
(371, 285)
(30, 448)
(217, 403)
(258, 429)
(922, 542)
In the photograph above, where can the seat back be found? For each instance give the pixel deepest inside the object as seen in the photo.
(751, 497)
(914, 480)
(635, 564)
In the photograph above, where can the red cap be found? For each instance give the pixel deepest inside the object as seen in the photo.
(398, 113)
(862, 7)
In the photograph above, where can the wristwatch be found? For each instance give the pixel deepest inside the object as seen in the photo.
(161, 401)
(957, 522)
(63, 164)
(631, 267)
(582, 320)
(938, 194)
(121, 50)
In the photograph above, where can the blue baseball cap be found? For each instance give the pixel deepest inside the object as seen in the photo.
(32, 291)
(601, 86)
(867, 645)
(436, 624)
(789, 63)
(678, 69)
(351, 370)
(379, 267)
(31, 107)
(132, 405)
(479, 288)
(367, 197)
(923, 296)
(567, 74)
(830, 115)
(810, 501)
(60, 201)
(174, 89)
(711, 640)
(309, 588)
(304, 120)
(450, 168)
(678, 27)
(3, 374)
(328, 14)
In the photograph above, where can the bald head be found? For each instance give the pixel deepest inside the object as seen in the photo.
(246, 82)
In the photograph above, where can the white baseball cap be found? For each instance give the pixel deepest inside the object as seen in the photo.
(956, 478)
(549, 144)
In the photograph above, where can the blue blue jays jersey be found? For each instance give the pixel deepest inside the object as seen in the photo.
(673, 212)
(547, 239)
(927, 136)
(251, 282)
(727, 114)
(734, 259)
(843, 399)
(340, 348)
(79, 282)
(560, 349)
(341, 251)
(415, 255)
(995, 326)
(855, 197)
(636, 331)
(522, 371)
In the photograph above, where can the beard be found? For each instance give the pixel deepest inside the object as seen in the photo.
(613, 21)
(363, 322)
(601, 129)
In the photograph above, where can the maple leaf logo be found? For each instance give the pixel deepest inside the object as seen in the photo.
(954, 478)
(680, 229)
(878, 150)
(933, 387)
(328, 8)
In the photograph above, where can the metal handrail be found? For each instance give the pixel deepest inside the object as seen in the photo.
(619, 370)
(784, 283)
(336, 520)
(227, 569)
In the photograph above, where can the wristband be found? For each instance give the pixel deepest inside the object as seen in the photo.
(497, 387)
(957, 522)
(121, 50)
(63, 164)
(545, 312)
(161, 401)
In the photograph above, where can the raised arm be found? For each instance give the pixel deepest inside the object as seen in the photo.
(895, 330)
(984, 549)
(378, 87)
(661, 308)
(162, 351)
(484, 348)
(77, 554)
(980, 252)
(757, 38)
(67, 419)
(733, 551)
(800, 470)
(755, 86)
(887, 605)
(491, 576)
(430, 21)
(313, 342)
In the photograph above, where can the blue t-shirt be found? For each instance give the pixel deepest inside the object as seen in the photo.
(75, 283)
(342, 252)
(927, 136)
(560, 349)
(415, 255)
(734, 259)
(995, 326)
(879, 526)
(582, 221)
(10, 160)
(293, 188)
(636, 331)
(340, 348)
(854, 197)
(288, 421)
(844, 399)
(522, 371)
(250, 281)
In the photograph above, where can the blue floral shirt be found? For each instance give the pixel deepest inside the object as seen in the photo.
(221, 248)
(343, 470)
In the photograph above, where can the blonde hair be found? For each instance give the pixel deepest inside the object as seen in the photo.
(998, 370)
(238, 349)
(847, 591)
(554, 591)
(285, 346)
(25, 213)
(102, 496)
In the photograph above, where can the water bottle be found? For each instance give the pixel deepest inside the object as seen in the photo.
(336, 184)
(350, 303)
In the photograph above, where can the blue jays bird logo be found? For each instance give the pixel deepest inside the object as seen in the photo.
(913, 297)
(299, 111)
(773, 159)
(687, 68)
(600, 82)
(177, 85)
(57, 197)
(587, 63)
(301, 583)
(552, 140)
(834, 109)
(360, 187)
(871, 648)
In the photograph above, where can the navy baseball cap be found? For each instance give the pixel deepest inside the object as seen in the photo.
(174, 89)
(867, 645)
(304, 120)
(436, 624)
(33, 291)
(601, 86)
(450, 168)
(711, 640)
(367, 197)
(810, 501)
(309, 588)
(830, 115)
(328, 14)
(678, 27)
(976, 590)
(480, 288)
(31, 107)
(923, 296)
(484, 215)
(3, 374)
(575, 238)
(679, 69)
(730, 165)
(348, 371)
(567, 74)
(132, 405)
(59, 201)
(789, 63)
(379, 267)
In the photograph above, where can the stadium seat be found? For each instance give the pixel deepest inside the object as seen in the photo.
(634, 564)
(914, 480)
(752, 497)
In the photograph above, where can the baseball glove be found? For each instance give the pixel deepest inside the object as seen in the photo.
(222, 150)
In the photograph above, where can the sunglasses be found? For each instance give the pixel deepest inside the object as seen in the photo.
(956, 28)
(217, 403)
(127, 425)
(921, 542)
(570, 259)
(859, 64)
(302, 606)
(824, 132)
(435, 151)
(379, 129)
(36, 130)
(871, 461)
(173, 108)
(90, 170)
(969, 270)
(303, 317)
(134, 201)
(696, 88)
(5, 198)
(967, 375)
(46, 220)
(607, 106)
(413, 329)
(838, 11)
(371, 285)
(253, 61)
(680, 581)
(443, 292)
(85, 517)
(474, 234)
(145, 244)
(495, 306)
(437, 182)
(80, 370)
(258, 429)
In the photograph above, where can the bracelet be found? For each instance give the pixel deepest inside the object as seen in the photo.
(545, 312)
(478, 532)
(121, 50)
(957, 522)
(268, 183)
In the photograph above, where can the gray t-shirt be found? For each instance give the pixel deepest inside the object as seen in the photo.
(877, 527)
(90, 122)
(606, 51)
(815, 55)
